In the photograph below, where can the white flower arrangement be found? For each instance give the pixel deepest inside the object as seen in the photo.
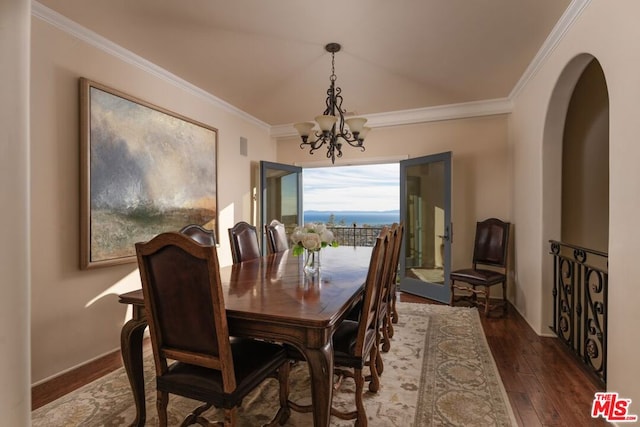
(312, 237)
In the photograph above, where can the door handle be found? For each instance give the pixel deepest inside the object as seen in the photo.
(448, 233)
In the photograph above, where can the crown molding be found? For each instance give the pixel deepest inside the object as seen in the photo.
(63, 23)
(563, 25)
(421, 115)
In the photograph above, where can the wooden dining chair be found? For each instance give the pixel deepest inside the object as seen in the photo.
(385, 328)
(193, 353)
(394, 279)
(389, 289)
(276, 237)
(355, 342)
(200, 234)
(244, 242)
(490, 249)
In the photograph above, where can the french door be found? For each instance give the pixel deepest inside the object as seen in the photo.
(425, 208)
(281, 196)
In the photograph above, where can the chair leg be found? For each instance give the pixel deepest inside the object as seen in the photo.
(284, 411)
(162, 400)
(487, 294)
(504, 298)
(361, 419)
(386, 337)
(231, 417)
(394, 311)
(379, 363)
(451, 292)
(374, 358)
(389, 317)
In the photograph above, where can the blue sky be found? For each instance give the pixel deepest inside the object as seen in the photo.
(361, 188)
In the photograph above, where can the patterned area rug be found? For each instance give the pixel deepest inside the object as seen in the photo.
(439, 372)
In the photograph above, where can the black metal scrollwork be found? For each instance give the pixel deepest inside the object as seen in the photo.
(580, 303)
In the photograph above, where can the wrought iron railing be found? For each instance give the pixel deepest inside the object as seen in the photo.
(354, 235)
(580, 286)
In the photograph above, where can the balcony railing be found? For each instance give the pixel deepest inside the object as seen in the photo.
(580, 286)
(354, 235)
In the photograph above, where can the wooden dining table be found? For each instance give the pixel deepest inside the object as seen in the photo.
(272, 298)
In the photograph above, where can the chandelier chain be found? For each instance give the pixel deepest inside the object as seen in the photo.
(333, 77)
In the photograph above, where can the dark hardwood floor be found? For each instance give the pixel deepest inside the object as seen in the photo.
(545, 385)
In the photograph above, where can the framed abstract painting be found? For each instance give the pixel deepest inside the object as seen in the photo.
(144, 170)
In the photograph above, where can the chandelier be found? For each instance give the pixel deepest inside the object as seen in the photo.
(333, 131)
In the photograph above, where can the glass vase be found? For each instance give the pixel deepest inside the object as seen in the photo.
(311, 261)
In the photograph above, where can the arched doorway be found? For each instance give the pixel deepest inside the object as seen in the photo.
(576, 210)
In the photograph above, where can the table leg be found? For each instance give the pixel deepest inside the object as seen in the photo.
(320, 362)
(131, 348)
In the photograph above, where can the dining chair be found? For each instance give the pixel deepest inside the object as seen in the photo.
(244, 242)
(276, 237)
(200, 234)
(490, 249)
(389, 288)
(355, 342)
(394, 280)
(384, 328)
(193, 353)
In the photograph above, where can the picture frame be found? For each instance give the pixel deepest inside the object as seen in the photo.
(144, 170)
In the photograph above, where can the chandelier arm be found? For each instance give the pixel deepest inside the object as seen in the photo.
(356, 144)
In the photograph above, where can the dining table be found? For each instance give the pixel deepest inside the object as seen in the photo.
(272, 298)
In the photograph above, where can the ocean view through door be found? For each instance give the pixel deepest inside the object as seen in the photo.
(425, 208)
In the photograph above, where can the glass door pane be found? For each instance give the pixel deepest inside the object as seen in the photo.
(425, 207)
(281, 197)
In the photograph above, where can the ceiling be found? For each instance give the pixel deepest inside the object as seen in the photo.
(267, 58)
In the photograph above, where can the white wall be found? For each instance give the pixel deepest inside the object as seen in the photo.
(15, 395)
(75, 313)
(608, 32)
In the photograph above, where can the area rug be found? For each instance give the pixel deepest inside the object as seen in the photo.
(439, 372)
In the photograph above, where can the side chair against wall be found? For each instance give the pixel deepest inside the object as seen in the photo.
(355, 342)
(276, 237)
(188, 326)
(490, 250)
(244, 242)
(200, 234)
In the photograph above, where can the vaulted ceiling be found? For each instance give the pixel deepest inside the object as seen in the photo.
(267, 58)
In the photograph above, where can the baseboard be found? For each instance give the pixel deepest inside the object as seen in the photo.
(58, 386)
